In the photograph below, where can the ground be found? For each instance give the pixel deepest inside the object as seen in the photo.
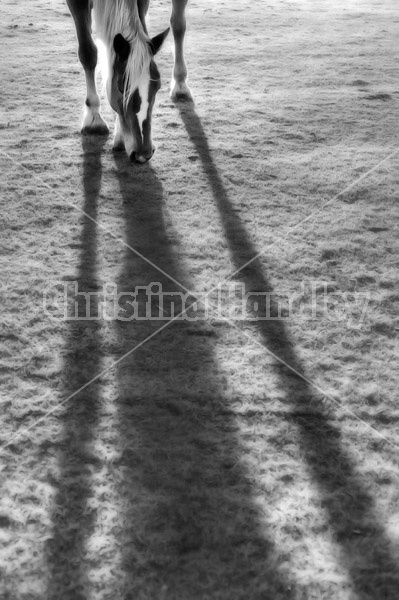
(220, 456)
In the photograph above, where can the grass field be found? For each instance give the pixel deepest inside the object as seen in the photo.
(214, 457)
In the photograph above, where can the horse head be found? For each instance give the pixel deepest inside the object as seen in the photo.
(132, 85)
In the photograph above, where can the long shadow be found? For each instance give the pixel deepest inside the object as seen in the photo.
(350, 508)
(191, 528)
(72, 521)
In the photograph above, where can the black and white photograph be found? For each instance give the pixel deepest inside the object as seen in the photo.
(199, 287)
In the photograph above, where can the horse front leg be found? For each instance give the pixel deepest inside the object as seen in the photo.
(92, 119)
(179, 88)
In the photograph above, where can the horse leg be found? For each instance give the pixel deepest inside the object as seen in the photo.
(81, 13)
(180, 89)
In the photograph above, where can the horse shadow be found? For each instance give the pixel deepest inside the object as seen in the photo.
(351, 513)
(191, 527)
(72, 521)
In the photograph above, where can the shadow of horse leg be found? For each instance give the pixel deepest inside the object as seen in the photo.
(191, 526)
(351, 512)
(72, 518)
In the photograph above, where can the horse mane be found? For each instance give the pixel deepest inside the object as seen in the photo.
(121, 16)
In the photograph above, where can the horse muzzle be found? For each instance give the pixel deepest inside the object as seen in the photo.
(142, 157)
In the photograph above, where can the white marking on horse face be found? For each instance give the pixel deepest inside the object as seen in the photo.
(143, 112)
(134, 128)
(130, 141)
(123, 136)
(118, 142)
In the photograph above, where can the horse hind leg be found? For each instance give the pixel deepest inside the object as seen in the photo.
(92, 119)
(179, 87)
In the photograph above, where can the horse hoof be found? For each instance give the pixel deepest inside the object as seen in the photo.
(181, 98)
(94, 125)
(181, 93)
(100, 129)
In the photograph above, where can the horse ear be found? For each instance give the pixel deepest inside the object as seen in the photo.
(121, 47)
(158, 40)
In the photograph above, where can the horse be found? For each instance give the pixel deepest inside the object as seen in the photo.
(133, 77)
